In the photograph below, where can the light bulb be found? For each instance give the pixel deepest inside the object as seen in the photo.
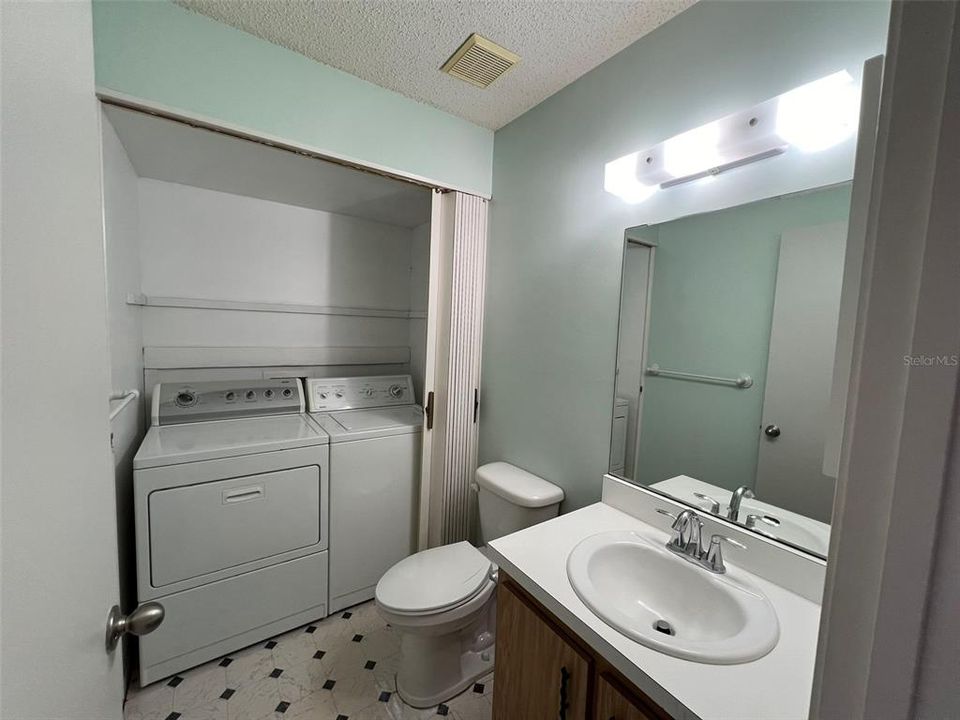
(620, 179)
(820, 114)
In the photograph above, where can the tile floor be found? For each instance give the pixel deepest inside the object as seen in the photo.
(339, 668)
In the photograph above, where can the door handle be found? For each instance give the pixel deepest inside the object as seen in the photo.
(428, 410)
(564, 703)
(142, 621)
(772, 431)
(242, 494)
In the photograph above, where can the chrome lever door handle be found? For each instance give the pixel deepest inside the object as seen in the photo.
(143, 620)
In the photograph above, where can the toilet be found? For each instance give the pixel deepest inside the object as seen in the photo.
(442, 601)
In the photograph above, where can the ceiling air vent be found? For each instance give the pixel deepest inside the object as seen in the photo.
(479, 61)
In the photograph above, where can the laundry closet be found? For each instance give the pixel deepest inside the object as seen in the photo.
(243, 276)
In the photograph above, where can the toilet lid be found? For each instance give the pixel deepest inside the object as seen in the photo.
(434, 580)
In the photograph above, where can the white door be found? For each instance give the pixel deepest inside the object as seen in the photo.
(631, 344)
(59, 536)
(458, 231)
(796, 400)
(435, 369)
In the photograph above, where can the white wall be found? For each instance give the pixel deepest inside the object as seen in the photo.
(555, 249)
(198, 243)
(202, 243)
(59, 573)
(122, 247)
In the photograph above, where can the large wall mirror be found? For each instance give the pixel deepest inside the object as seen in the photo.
(726, 391)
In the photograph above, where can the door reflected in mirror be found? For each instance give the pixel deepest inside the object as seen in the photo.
(728, 390)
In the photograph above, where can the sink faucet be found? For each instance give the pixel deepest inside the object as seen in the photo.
(686, 541)
(733, 513)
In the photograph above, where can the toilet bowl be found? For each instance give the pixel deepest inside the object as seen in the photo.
(442, 601)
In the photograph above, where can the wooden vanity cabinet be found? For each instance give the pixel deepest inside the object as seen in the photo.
(544, 672)
(538, 673)
(614, 702)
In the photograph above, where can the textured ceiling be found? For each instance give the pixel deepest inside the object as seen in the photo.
(400, 44)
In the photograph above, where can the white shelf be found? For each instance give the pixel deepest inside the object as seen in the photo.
(209, 304)
(166, 358)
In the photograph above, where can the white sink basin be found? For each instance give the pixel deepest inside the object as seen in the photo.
(635, 585)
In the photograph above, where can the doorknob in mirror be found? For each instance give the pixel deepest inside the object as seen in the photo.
(772, 431)
(143, 620)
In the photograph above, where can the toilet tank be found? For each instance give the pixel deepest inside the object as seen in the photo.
(511, 499)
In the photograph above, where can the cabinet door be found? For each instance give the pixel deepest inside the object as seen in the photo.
(539, 675)
(613, 704)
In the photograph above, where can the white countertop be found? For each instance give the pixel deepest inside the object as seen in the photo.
(775, 687)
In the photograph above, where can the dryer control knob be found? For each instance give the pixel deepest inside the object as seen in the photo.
(186, 398)
(396, 391)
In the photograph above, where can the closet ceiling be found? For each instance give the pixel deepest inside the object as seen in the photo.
(400, 45)
(172, 151)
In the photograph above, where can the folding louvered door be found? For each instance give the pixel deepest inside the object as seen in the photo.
(457, 271)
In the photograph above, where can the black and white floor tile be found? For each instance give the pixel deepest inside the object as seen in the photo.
(340, 668)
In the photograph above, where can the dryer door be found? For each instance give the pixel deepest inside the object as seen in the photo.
(200, 529)
(200, 522)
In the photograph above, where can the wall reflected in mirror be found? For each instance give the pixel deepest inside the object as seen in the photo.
(727, 390)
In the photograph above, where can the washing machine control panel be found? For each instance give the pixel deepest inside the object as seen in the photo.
(359, 392)
(184, 402)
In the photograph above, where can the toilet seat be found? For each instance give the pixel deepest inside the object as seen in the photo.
(434, 581)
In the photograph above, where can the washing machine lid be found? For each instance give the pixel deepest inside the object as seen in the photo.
(191, 442)
(434, 580)
(371, 422)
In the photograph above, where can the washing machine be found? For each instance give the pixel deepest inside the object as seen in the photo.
(375, 429)
(231, 496)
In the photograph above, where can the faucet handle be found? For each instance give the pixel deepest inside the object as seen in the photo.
(679, 520)
(752, 520)
(692, 543)
(679, 527)
(714, 558)
(714, 503)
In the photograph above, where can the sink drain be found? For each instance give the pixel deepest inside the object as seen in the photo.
(664, 627)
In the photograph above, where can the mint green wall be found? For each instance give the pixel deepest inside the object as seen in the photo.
(160, 52)
(556, 238)
(711, 307)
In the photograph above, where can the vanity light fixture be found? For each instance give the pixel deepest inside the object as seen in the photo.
(620, 179)
(821, 114)
(810, 118)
